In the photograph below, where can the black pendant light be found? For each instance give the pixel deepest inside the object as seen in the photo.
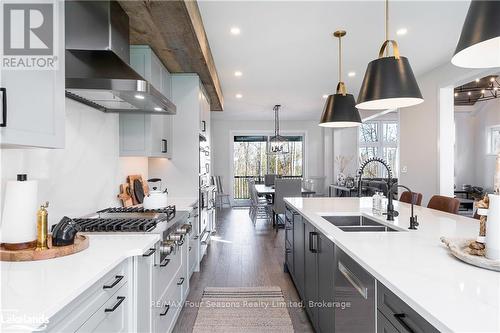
(389, 82)
(479, 44)
(340, 109)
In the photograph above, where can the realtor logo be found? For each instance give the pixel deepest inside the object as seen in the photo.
(28, 36)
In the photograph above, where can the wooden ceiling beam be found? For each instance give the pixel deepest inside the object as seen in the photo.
(174, 30)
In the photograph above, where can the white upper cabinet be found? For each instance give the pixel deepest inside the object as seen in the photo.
(33, 108)
(145, 134)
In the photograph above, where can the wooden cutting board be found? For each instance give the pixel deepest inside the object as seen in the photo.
(125, 195)
(130, 180)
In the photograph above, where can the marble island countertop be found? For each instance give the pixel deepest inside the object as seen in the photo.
(42, 288)
(452, 295)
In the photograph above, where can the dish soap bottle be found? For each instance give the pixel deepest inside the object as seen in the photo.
(42, 217)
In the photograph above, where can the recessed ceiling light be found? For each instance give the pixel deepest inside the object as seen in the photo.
(496, 88)
(238, 96)
(469, 93)
(139, 96)
(456, 94)
(325, 96)
(477, 80)
(351, 74)
(238, 73)
(158, 109)
(401, 32)
(492, 79)
(235, 31)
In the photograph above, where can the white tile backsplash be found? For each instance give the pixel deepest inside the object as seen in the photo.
(85, 175)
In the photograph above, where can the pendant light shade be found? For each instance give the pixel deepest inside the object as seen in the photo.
(479, 43)
(340, 108)
(389, 82)
(340, 111)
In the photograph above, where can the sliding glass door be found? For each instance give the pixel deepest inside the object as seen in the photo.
(251, 161)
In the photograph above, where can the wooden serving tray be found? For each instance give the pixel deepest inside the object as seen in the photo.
(459, 247)
(80, 244)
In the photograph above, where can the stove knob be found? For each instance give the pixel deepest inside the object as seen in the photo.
(167, 247)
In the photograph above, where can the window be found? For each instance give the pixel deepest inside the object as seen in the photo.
(251, 161)
(494, 140)
(379, 139)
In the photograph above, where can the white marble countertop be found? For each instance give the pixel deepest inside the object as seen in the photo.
(452, 295)
(42, 288)
(182, 203)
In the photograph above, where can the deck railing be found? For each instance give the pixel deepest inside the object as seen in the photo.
(240, 185)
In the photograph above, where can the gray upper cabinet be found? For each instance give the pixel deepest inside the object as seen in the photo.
(34, 100)
(145, 134)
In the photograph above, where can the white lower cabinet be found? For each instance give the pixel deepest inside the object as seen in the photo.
(113, 316)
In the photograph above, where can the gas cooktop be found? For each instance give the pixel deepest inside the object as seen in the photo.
(123, 219)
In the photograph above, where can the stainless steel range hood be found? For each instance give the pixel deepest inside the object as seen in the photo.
(97, 61)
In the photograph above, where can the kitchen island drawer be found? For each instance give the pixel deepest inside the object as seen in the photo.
(400, 314)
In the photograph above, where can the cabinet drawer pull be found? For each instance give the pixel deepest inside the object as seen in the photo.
(190, 249)
(353, 280)
(120, 300)
(167, 307)
(149, 253)
(288, 251)
(195, 237)
(399, 317)
(4, 107)
(312, 244)
(118, 278)
(164, 147)
(164, 262)
(181, 281)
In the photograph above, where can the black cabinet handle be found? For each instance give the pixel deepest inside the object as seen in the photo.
(195, 237)
(399, 317)
(203, 126)
(312, 246)
(4, 107)
(164, 262)
(117, 304)
(167, 307)
(181, 281)
(164, 147)
(149, 253)
(118, 278)
(190, 249)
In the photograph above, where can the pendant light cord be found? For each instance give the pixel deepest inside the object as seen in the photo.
(386, 25)
(340, 58)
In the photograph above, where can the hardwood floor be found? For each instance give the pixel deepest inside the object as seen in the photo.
(242, 254)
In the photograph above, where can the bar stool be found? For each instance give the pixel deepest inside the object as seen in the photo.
(407, 197)
(444, 204)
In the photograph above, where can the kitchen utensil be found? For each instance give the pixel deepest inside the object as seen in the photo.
(145, 190)
(19, 213)
(64, 232)
(138, 191)
(125, 195)
(157, 198)
(80, 244)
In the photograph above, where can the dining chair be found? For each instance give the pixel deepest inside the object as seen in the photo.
(221, 198)
(284, 188)
(444, 204)
(407, 197)
(269, 179)
(259, 208)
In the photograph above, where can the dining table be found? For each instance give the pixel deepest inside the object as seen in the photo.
(269, 190)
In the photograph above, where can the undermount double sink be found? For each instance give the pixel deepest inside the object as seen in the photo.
(357, 223)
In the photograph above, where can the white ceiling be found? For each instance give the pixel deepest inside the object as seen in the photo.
(288, 55)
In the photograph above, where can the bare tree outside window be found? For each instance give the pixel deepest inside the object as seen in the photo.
(379, 139)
